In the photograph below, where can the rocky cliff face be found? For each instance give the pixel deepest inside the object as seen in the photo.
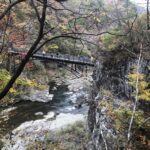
(114, 78)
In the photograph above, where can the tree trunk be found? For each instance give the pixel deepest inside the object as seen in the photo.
(29, 54)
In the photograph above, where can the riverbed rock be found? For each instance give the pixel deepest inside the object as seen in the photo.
(50, 115)
(38, 96)
(35, 130)
(79, 84)
(39, 113)
(7, 111)
(80, 88)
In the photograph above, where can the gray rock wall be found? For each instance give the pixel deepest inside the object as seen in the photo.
(113, 78)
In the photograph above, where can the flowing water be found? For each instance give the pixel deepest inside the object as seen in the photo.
(24, 111)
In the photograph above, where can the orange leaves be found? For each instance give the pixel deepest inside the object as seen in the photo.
(14, 33)
(19, 38)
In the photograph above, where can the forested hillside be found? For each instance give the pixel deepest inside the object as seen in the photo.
(113, 36)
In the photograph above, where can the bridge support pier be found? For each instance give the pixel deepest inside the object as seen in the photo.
(86, 70)
(75, 67)
(71, 67)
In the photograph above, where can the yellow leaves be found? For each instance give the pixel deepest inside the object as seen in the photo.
(21, 82)
(145, 95)
(142, 85)
(31, 83)
(144, 91)
(134, 76)
(53, 46)
(13, 91)
(4, 77)
(123, 115)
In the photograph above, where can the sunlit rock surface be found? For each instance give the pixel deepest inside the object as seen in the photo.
(35, 130)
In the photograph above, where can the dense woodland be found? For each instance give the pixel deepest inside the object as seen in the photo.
(115, 34)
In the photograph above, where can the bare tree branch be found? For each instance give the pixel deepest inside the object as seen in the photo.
(9, 8)
(62, 36)
(29, 54)
(36, 10)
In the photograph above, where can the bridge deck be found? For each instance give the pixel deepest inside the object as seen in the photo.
(81, 60)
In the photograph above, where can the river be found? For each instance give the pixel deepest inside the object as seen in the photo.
(26, 116)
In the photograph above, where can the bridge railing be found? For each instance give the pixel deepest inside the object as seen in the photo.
(65, 57)
(58, 56)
